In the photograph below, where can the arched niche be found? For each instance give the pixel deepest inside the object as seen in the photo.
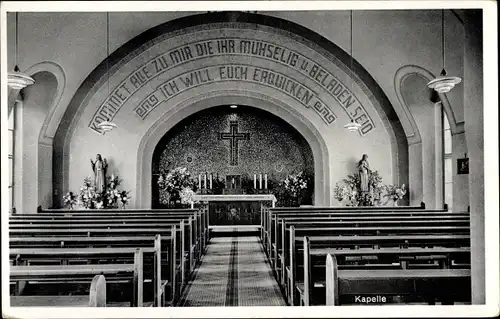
(170, 119)
(427, 160)
(264, 145)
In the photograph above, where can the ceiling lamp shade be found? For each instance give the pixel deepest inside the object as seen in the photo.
(443, 83)
(17, 80)
(106, 126)
(352, 126)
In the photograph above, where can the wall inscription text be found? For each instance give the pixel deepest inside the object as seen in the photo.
(305, 95)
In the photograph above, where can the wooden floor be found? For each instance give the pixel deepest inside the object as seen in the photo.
(233, 272)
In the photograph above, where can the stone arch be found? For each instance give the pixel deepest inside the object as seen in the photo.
(412, 132)
(365, 83)
(50, 124)
(45, 139)
(205, 101)
(426, 168)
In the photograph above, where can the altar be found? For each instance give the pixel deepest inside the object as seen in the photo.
(230, 209)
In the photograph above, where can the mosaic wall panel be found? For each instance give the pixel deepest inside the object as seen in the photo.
(266, 145)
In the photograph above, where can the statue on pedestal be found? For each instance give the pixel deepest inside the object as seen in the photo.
(99, 167)
(364, 173)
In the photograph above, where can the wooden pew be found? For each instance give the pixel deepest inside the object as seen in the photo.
(310, 263)
(202, 217)
(171, 262)
(197, 234)
(271, 222)
(288, 248)
(130, 273)
(152, 261)
(189, 252)
(95, 298)
(440, 284)
(123, 216)
(115, 223)
(351, 228)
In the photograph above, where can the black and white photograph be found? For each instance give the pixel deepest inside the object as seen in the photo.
(249, 159)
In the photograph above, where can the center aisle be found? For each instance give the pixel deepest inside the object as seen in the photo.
(233, 272)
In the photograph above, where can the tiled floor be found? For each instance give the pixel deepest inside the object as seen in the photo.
(234, 272)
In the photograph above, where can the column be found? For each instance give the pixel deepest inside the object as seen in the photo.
(415, 187)
(473, 111)
(439, 155)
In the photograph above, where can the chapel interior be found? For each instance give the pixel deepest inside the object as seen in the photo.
(216, 158)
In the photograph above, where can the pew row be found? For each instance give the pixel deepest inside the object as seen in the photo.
(369, 286)
(107, 229)
(95, 298)
(74, 250)
(309, 268)
(187, 245)
(164, 288)
(129, 274)
(202, 216)
(270, 216)
(193, 220)
(288, 231)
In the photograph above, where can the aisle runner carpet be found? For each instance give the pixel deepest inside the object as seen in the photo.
(234, 272)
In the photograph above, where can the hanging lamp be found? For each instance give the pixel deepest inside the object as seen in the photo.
(107, 125)
(443, 83)
(18, 80)
(352, 126)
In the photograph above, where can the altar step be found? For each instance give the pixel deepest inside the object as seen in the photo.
(234, 230)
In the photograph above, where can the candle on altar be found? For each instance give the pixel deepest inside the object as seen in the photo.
(210, 181)
(199, 181)
(255, 181)
(260, 181)
(265, 181)
(205, 180)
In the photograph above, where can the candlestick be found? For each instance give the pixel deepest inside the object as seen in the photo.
(260, 181)
(205, 180)
(210, 181)
(255, 181)
(265, 181)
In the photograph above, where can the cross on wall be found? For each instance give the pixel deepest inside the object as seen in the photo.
(234, 137)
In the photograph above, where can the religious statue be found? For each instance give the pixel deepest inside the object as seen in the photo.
(364, 173)
(99, 167)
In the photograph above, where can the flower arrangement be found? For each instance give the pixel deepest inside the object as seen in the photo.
(124, 198)
(395, 192)
(292, 190)
(186, 195)
(173, 183)
(69, 200)
(88, 197)
(349, 190)
(112, 197)
(294, 184)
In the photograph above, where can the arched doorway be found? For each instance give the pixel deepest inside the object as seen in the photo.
(245, 141)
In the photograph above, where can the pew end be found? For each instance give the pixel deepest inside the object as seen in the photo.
(332, 289)
(97, 296)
